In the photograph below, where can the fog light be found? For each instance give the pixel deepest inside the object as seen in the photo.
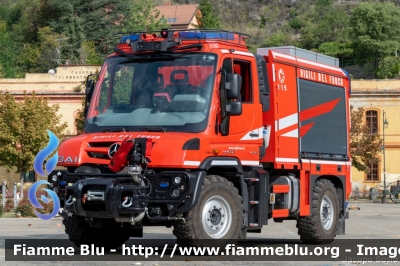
(177, 179)
(175, 193)
(54, 177)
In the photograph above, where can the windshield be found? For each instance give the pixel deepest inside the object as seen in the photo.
(155, 92)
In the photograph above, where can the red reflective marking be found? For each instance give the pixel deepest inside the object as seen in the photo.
(305, 129)
(318, 110)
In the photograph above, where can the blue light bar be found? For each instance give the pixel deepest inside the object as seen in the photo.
(133, 38)
(163, 185)
(192, 35)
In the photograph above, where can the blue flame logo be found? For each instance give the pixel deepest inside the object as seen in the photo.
(46, 151)
(38, 167)
(32, 198)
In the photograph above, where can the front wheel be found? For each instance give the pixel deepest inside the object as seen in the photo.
(321, 226)
(80, 233)
(217, 215)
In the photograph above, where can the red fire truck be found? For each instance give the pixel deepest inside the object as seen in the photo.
(190, 130)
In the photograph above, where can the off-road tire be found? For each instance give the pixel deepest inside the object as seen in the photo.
(80, 233)
(220, 192)
(311, 229)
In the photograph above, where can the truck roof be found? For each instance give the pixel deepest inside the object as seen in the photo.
(301, 53)
(170, 40)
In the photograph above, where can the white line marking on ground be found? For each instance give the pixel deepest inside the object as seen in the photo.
(389, 231)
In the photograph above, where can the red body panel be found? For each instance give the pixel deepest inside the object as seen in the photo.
(119, 160)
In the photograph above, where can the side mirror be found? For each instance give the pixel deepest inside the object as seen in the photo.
(89, 89)
(233, 85)
(234, 108)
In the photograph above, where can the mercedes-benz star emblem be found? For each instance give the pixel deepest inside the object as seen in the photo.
(113, 149)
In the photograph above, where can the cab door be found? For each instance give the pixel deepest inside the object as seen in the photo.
(244, 134)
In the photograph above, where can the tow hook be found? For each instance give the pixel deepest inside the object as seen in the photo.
(70, 201)
(125, 203)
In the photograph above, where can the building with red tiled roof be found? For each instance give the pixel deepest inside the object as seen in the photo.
(180, 17)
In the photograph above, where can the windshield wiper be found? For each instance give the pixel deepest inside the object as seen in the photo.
(114, 129)
(154, 129)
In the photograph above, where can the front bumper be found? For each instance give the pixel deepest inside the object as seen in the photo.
(104, 196)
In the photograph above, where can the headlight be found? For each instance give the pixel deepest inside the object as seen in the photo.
(177, 179)
(54, 178)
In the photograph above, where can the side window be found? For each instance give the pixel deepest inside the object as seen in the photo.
(105, 85)
(227, 66)
(244, 70)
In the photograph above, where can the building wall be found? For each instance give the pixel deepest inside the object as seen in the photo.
(381, 96)
(65, 79)
(59, 87)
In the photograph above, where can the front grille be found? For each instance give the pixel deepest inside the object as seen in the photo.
(100, 144)
(98, 150)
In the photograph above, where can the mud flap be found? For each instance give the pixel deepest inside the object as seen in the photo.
(341, 226)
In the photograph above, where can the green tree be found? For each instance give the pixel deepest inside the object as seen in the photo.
(102, 20)
(208, 19)
(89, 55)
(375, 31)
(145, 17)
(389, 67)
(325, 23)
(29, 57)
(23, 130)
(79, 20)
(66, 20)
(48, 45)
(283, 37)
(364, 145)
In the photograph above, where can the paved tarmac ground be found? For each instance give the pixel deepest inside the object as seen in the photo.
(371, 221)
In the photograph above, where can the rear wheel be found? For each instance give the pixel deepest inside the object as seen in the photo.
(321, 226)
(217, 215)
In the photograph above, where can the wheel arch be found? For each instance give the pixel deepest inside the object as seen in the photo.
(229, 167)
(339, 182)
